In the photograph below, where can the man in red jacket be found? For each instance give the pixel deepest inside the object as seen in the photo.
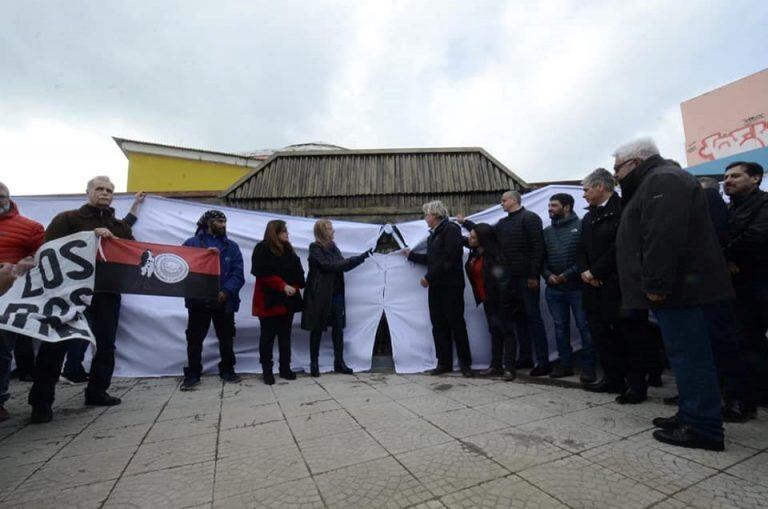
(19, 238)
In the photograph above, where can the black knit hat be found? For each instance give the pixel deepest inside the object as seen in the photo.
(202, 223)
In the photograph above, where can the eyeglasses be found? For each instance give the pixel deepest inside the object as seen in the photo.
(616, 169)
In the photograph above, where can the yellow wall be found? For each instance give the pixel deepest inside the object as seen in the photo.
(148, 172)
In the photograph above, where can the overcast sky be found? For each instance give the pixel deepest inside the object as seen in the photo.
(548, 87)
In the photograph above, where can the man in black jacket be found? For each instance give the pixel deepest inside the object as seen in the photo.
(746, 251)
(624, 338)
(522, 242)
(445, 280)
(669, 261)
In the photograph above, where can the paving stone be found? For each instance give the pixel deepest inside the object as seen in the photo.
(431, 504)
(725, 491)
(301, 494)
(251, 441)
(170, 488)
(433, 404)
(241, 416)
(379, 483)
(506, 493)
(197, 424)
(173, 452)
(751, 433)
(305, 427)
(361, 398)
(383, 414)
(116, 417)
(564, 432)
(409, 435)
(406, 390)
(653, 467)
(515, 389)
(473, 396)
(734, 453)
(605, 419)
(102, 440)
(187, 405)
(586, 485)
(85, 496)
(243, 473)
(340, 450)
(308, 405)
(14, 474)
(754, 469)
(465, 422)
(516, 411)
(516, 449)
(381, 379)
(450, 467)
(22, 452)
(559, 401)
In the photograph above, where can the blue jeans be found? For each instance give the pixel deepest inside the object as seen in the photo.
(689, 351)
(530, 327)
(561, 303)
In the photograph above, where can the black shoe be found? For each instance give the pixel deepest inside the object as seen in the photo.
(440, 371)
(654, 380)
(561, 372)
(672, 400)
(606, 387)
(268, 378)
(314, 369)
(467, 372)
(749, 410)
(631, 398)
(287, 374)
(41, 414)
(524, 364)
(74, 378)
(101, 399)
(541, 370)
(588, 376)
(733, 411)
(340, 367)
(685, 436)
(667, 423)
(491, 372)
(231, 377)
(510, 375)
(190, 381)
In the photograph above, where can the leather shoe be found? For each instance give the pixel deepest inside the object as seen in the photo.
(588, 377)
(467, 372)
(510, 375)
(491, 372)
(561, 372)
(631, 398)
(541, 370)
(340, 367)
(41, 414)
(440, 371)
(287, 374)
(314, 369)
(667, 423)
(733, 411)
(268, 378)
(685, 436)
(101, 399)
(606, 387)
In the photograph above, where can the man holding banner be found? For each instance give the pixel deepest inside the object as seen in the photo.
(103, 312)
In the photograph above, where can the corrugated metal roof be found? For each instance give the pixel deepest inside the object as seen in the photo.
(374, 172)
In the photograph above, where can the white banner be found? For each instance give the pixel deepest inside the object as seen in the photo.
(151, 339)
(48, 302)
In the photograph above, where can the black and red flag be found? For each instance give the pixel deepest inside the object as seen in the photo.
(127, 266)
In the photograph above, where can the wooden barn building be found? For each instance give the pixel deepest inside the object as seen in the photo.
(376, 186)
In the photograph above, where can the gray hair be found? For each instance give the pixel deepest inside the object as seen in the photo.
(600, 177)
(92, 182)
(435, 208)
(514, 195)
(709, 183)
(641, 148)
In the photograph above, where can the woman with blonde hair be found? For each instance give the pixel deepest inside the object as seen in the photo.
(276, 297)
(324, 296)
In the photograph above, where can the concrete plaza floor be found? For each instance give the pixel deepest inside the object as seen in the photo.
(368, 440)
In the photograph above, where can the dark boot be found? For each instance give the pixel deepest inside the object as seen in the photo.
(267, 376)
(338, 356)
(314, 354)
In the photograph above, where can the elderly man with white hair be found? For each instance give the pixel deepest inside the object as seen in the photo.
(445, 280)
(669, 261)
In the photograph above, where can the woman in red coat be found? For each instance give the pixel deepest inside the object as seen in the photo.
(276, 297)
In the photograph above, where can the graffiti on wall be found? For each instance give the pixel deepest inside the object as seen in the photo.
(749, 137)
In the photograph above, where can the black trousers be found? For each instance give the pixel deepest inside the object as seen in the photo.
(198, 322)
(446, 312)
(103, 315)
(752, 319)
(628, 347)
(336, 322)
(24, 354)
(271, 327)
(501, 325)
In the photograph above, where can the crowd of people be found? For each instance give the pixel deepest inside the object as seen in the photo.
(666, 271)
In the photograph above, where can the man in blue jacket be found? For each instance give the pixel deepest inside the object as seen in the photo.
(212, 234)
